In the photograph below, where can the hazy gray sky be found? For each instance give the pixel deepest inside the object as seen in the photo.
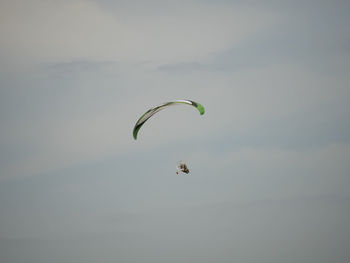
(269, 160)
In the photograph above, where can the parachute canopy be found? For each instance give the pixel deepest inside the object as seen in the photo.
(148, 114)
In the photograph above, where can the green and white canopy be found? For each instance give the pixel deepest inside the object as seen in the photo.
(148, 114)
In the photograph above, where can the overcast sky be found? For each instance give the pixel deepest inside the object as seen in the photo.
(269, 160)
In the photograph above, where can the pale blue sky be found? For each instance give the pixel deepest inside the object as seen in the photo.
(269, 160)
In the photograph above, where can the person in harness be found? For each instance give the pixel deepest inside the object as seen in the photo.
(182, 167)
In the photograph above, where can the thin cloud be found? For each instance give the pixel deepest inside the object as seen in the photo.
(82, 29)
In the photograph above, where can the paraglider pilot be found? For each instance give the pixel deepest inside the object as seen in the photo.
(182, 167)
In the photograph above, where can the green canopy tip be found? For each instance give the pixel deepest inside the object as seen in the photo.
(200, 108)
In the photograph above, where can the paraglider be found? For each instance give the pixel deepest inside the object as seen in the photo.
(182, 167)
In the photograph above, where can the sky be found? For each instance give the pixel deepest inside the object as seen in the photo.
(269, 159)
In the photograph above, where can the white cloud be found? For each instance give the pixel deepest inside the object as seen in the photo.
(64, 30)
